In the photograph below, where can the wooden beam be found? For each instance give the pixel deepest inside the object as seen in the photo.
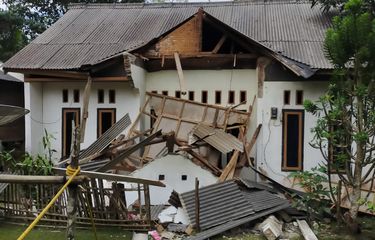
(60, 79)
(219, 44)
(112, 177)
(33, 179)
(129, 151)
(55, 73)
(262, 63)
(228, 169)
(180, 73)
(85, 112)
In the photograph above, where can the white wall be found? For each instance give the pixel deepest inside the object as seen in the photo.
(269, 142)
(127, 101)
(172, 167)
(33, 120)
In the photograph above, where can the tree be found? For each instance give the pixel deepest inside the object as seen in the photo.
(345, 130)
(40, 14)
(12, 38)
(326, 5)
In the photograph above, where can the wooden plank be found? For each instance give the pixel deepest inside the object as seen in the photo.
(113, 177)
(85, 112)
(197, 205)
(230, 166)
(307, 233)
(219, 44)
(180, 73)
(30, 179)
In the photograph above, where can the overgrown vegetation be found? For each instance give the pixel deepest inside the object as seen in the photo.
(315, 201)
(345, 130)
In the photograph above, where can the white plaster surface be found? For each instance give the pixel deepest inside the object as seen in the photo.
(269, 142)
(172, 167)
(46, 109)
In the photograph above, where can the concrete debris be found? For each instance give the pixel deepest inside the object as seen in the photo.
(307, 233)
(175, 227)
(271, 228)
(167, 215)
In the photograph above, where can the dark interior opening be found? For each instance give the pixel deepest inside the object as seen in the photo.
(177, 94)
(100, 96)
(112, 96)
(69, 115)
(243, 96)
(106, 120)
(204, 96)
(231, 97)
(65, 95)
(76, 95)
(299, 97)
(286, 97)
(218, 97)
(191, 95)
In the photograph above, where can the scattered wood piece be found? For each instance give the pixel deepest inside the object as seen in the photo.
(180, 73)
(307, 233)
(271, 228)
(230, 166)
(189, 230)
(219, 44)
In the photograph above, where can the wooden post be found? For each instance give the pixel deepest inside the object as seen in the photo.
(147, 203)
(197, 205)
(73, 190)
(85, 113)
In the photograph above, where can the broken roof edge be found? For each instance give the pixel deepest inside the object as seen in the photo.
(300, 69)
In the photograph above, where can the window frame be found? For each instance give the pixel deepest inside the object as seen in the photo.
(65, 95)
(111, 96)
(76, 96)
(244, 98)
(216, 97)
(99, 119)
(231, 96)
(204, 94)
(63, 126)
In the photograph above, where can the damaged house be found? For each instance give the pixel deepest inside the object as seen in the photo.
(217, 76)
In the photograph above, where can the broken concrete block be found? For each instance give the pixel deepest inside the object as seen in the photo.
(307, 233)
(271, 228)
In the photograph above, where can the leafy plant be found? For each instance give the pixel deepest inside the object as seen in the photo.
(315, 201)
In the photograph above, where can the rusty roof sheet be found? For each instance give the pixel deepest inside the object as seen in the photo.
(222, 141)
(99, 31)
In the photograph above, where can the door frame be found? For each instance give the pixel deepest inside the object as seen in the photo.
(301, 121)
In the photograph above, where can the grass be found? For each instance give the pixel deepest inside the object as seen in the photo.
(9, 231)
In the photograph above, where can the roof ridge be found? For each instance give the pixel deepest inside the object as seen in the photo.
(182, 4)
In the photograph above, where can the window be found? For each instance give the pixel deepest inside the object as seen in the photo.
(299, 97)
(154, 91)
(286, 97)
(243, 96)
(69, 115)
(183, 177)
(292, 140)
(161, 177)
(177, 94)
(191, 95)
(76, 95)
(165, 93)
(204, 96)
(106, 118)
(231, 97)
(217, 97)
(100, 96)
(112, 96)
(65, 95)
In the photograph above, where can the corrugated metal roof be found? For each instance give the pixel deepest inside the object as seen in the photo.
(155, 210)
(7, 77)
(222, 141)
(224, 202)
(235, 223)
(99, 31)
(106, 138)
